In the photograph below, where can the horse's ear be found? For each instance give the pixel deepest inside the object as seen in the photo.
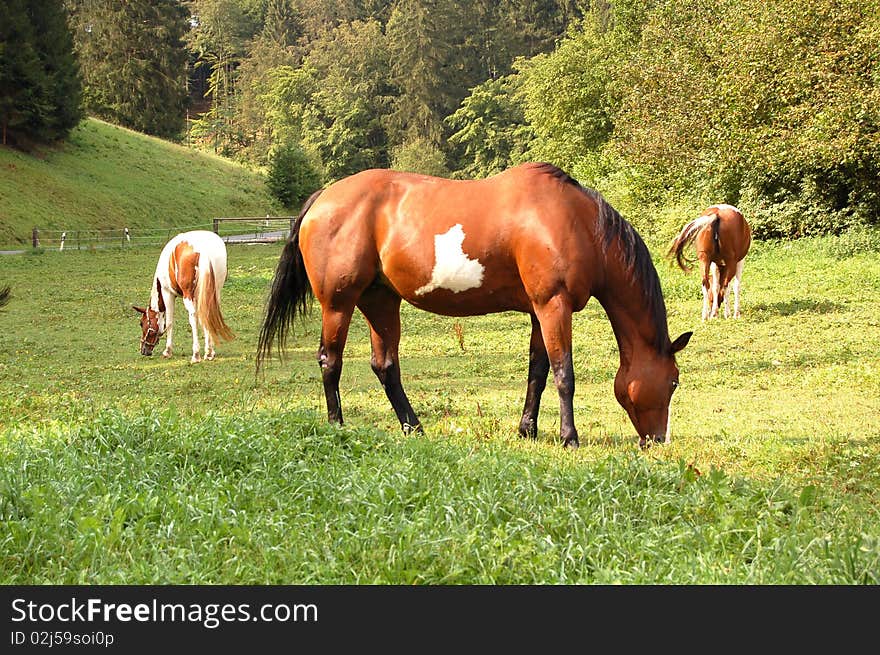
(681, 342)
(161, 299)
(139, 309)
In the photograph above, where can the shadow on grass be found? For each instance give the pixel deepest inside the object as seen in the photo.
(763, 311)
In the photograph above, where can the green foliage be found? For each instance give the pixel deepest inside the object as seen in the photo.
(291, 177)
(133, 61)
(419, 156)
(40, 84)
(492, 132)
(855, 241)
(778, 106)
(568, 103)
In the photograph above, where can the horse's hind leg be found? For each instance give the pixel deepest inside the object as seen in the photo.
(705, 286)
(193, 324)
(716, 290)
(539, 366)
(334, 332)
(209, 344)
(737, 285)
(381, 307)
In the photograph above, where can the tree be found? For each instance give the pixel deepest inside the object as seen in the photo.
(423, 68)
(133, 60)
(274, 47)
(291, 176)
(491, 129)
(39, 76)
(343, 124)
(777, 111)
(219, 38)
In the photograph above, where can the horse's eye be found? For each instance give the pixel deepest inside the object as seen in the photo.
(674, 385)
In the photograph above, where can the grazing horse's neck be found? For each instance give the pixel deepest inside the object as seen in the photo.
(632, 333)
(631, 314)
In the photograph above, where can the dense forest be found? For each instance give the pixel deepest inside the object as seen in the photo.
(773, 105)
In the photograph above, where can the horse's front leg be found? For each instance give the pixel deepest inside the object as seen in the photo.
(169, 326)
(193, 324)
(539, 366)
(555, 319)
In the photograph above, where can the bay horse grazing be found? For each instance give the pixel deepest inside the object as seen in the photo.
(530, 239)
(722, 238)
(192, 265)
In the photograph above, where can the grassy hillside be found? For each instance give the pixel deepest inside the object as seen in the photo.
(107, 177)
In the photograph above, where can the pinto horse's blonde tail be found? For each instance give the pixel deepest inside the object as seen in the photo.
(208, 304)
(688, 233)
(290, 292)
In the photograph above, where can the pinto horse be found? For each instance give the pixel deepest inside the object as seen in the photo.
(530, 239)
(192, 265)
(722, 238)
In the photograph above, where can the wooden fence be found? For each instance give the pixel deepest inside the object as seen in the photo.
(238, 229)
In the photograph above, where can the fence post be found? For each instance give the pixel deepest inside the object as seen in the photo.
(63, 237)
(35, 238)
(216, 226)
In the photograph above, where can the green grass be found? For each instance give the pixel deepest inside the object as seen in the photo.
(107, 177)
(122, 469)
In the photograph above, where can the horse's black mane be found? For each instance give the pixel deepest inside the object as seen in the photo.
(633, 251)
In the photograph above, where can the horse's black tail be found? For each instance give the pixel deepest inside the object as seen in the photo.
(290, 293)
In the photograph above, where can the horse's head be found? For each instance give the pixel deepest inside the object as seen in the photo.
(644, 389)
(152, 323)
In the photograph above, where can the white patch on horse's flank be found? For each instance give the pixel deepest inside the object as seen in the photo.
(453, 269)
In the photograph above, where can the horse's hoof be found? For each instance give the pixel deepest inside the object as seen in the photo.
(572, 444)
(210, 357)
(166, 354)
(195, 359)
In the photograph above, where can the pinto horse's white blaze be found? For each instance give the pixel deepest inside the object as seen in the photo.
(453, 269)
(191, 265)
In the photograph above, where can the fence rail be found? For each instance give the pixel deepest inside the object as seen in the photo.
(233, 229)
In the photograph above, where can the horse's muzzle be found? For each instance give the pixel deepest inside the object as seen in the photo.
(649, 440)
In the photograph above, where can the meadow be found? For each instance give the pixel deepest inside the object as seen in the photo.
(117, 468)
(105, 177)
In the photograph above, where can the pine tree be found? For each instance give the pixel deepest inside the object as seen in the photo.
(54, 42)
(133, 60)
(39, 79)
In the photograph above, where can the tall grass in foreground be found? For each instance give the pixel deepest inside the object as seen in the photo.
(286, 498)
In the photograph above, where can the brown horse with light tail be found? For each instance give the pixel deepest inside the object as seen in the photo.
(722, 238)
(530, 239)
